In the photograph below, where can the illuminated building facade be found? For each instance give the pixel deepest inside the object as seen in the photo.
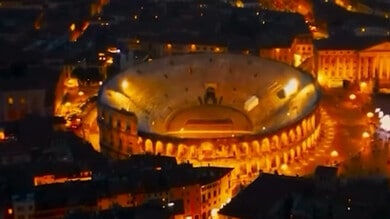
(340, 63)
(204, 191)
(159, 48)
(292, 53)
(218, 109)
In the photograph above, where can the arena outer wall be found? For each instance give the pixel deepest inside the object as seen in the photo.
(248, 154)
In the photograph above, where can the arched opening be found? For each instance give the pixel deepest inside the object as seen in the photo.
(313, 121)
(181, 152)
(193, 151)
(160, 148)
(284, 139)
(298, 151)
(207, 150)
(170, 149)
(277, 161)
(268, 162)
(233, 150)
(299, 132)
(275, 142)
(148, 146)
(291, 135)
(304, 128)
(139, 141)
(308, 125)
(245, 148)
(256, 147)
(265, 147)
(292, 154)
(285, 157)
(304, 146)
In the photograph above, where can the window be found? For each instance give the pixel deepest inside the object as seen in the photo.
(22, 100)
(10, 100)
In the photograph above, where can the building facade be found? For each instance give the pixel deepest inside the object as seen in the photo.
(294, 53)
(370, 63)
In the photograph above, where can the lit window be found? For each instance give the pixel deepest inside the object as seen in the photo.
(22, 100)
(10, 100)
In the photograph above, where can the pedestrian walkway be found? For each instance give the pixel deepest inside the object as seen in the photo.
(319, 155)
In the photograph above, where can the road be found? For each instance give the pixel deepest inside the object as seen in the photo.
(343, 123)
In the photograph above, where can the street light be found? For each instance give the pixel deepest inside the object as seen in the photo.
(284, 167)
(370, 114)
(334, 153)
(125, 84)
(352, 97)
(365, 134)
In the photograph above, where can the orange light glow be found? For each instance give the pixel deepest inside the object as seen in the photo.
(169, 46)
(334, 153)
(193, 47)
(2, 134)
(365, 134)
(352, 97)
(72, 27)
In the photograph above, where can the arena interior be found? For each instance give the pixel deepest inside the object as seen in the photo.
(211, 109)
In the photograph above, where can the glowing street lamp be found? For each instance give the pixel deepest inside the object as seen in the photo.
(125, 84)
(284, 167)
(352, 97)
(365, 134)
(370, 114)
(334, 153)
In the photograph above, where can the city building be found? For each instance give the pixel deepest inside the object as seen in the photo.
(203, 190)
(25, 90)
(325, 195)
(355, 60)
(293, 52)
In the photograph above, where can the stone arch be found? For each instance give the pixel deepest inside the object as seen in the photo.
(206, 149)
(304, 146)
(298, 151)
(292, 135)
(275, 142)
(193, 151)
(233, 150)
(244, 148)
(268, 162)
(159, 148)
(277, 161)
(285, 157)
(265, 145)
(292, 154)
(139, 140)
(308, 124)
(181, 151)
(284, 139)
(148, 146)
(304, 128)
(170, 149)
(313, 121)
(299, 132)
(256, 147)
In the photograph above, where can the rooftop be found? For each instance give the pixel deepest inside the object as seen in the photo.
(257, 200)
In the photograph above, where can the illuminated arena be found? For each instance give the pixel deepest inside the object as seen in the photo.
(217, 109)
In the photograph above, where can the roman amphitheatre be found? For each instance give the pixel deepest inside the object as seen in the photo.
(211, 109)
